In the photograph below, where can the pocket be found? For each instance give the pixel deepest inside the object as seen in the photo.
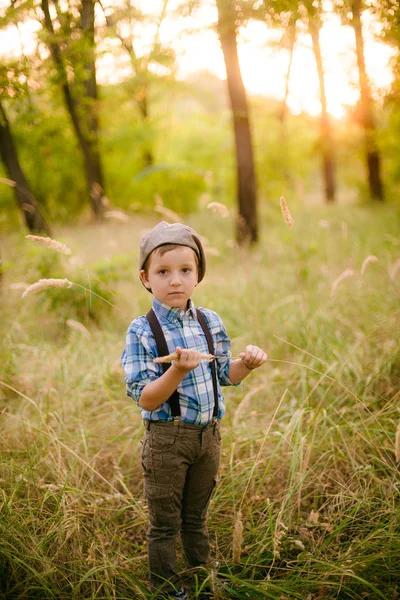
(146, 457)
(161, 441)
(159, 491)
(218, 434)
(160, 501)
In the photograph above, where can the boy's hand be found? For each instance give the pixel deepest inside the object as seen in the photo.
(187, 359)
(253, 357)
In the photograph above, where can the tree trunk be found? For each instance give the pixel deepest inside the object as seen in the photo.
(142, 99)
(247, 227)
(328, 160)
(91, 112)
(30, 209)
(284, 106)
(292, 41)
(367, 113)
(86, 129)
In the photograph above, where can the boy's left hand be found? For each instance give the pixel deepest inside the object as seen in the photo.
(253, 357)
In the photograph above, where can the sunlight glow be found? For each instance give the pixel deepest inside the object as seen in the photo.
(263, 62)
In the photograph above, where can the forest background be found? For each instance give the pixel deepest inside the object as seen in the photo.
(307, 504)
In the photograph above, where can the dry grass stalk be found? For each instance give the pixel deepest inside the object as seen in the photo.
(116, 214)
(393, 270)
(19, 287)
(397, 444)
(78, 326)
(345, 230)
(370, 259)
(218, 209)
(50, 243)
(44, 284)
(313, 517)
(210, 251)
(166, 212)
(286, 212)
(9, 182)
(237, 538)
(174, 356)
(244, 404)
(346, 273)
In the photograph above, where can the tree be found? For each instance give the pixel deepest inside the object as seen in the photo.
(286, 15)
(289, 40)
(367, 111)
(388, 13)
(121, 24)
(72, 49)
(247, 226)
(351, 11)
(326, 140)
(26, 201)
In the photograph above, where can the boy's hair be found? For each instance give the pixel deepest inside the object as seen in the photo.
(163, 249)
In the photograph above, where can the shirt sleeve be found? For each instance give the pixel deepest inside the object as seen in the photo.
(137, 360)
(222, 347)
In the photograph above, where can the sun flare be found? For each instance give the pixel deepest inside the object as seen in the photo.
(263, 63)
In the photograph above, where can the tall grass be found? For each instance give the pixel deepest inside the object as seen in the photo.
(307, 504)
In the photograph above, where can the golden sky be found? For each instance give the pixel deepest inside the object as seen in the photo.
(263, 64)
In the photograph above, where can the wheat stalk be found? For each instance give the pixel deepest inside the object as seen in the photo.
(346, 273)
(211, 251)
(370, 259)
(394, 268)
(174, 356)
(116, 214)
(50, 243)
(286, 212)
(218, 209)
(44, 284)
(244, 403)
(19, 286)
(237, 538)
(166, 212)
(9, 182)
(78, 326)
(397, 444)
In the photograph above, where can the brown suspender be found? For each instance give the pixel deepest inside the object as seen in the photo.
(162, 349)
(204, 326)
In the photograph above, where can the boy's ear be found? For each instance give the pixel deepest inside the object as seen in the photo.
(144, 279)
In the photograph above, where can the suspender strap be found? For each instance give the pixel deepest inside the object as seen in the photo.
(204, 326)
(163, 351)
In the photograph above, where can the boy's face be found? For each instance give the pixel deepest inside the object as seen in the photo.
(172, 277)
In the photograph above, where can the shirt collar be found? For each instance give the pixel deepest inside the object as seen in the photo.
(173, 314)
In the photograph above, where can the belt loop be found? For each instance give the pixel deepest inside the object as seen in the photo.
(146, 423)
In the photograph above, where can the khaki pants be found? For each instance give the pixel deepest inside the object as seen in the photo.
(180, 464)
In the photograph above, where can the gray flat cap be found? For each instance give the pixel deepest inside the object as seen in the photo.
(177, 233)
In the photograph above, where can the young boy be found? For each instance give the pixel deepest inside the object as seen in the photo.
(181, 403)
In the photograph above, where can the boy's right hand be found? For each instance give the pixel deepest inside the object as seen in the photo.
(187, 359)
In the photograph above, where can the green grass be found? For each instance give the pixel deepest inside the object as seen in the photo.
(309, 455)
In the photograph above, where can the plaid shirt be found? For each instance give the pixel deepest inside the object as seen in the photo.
(181, 328)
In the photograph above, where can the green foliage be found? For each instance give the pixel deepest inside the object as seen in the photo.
(90, 299)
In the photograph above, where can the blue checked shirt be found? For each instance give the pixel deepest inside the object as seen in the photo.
(181, 328)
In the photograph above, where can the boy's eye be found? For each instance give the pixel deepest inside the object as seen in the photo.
(163, 271)
(186, 270)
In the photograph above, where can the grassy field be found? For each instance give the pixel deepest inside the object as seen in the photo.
(307, 504)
